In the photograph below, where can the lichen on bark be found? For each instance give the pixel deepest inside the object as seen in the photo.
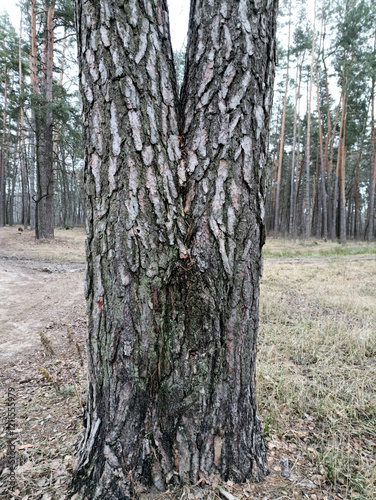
(175, 230)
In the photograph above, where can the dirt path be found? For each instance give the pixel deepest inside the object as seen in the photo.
(34, 296)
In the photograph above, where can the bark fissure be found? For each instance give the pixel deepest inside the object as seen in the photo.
(175, 231)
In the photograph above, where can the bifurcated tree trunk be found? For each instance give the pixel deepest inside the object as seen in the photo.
(175, 231)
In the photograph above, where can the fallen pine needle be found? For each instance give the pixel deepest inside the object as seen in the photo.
(226, 494)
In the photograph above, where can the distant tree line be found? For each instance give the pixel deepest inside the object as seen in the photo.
(322, 163)
(322, 166)
(41, 180)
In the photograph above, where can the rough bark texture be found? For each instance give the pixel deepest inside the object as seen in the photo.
(282, 144)
(45, 173)
(175, 230)
(308, 219)
(372, 178)
(3, 164)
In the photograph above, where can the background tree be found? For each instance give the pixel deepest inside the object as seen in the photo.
(174, 204)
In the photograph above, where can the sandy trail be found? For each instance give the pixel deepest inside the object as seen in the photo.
(34, 296)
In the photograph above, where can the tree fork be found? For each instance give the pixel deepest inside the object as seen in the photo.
(175, 230)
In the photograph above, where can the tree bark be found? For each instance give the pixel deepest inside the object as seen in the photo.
(282, 143)
(372, 178)
(294, 142)
(45, 173)
(2, 155)
(323, 152)
(22, 138)
(342, 179)
(308, 138)
(175, 231)
(34, 114)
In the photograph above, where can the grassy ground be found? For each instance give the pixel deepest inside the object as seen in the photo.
(317, 359)
(67, 246)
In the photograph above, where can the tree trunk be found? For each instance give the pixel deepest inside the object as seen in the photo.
(2, 155)
(292, 168)
(372, 179)
(323, 152)
(282, 142)
(308, 138)
(22, 138)
(342, 179)
(45, 174)
(34, 139)
(175, 231)
(14, 176)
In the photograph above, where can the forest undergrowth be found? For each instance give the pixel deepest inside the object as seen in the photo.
(316, 377)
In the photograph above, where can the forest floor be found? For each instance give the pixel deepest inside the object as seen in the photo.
(316, 368)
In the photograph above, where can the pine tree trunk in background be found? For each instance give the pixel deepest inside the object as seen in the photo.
(308, 220)
(14, 176)
(175, 230)
(34, 85)
(3, 166)
(274, 172)
(332, 181)
(355, 190)
(294, 141)
(45, 217)
(372, 178)
(32, 178)
(282, 142)
(25, 208)
(337, 173)
(342, 178)
(323, 152)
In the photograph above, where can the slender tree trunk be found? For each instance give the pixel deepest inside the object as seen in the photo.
(323, 153)
(14, 176)
(308, 144)
(35, 133)
(22, 138)
(372, 179)
(292, 170)
(337, 172)
(282, 142)
(45, 173)
(275, 175)
(342, 179)
(175, 231)
(2, 155)
(316, 199)
(356, 193)
(332, 181)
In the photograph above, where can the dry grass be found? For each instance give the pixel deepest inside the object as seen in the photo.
(316, 248)
(67, 246)
(317, 359)
(316, 376)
